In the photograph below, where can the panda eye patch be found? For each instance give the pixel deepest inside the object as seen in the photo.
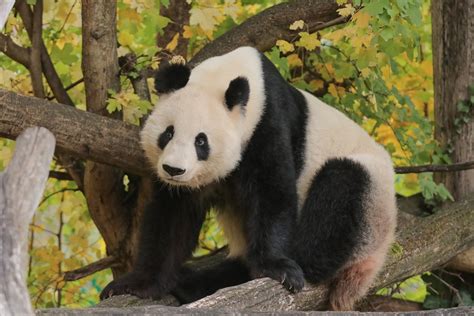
(202, 146)
(166, 136)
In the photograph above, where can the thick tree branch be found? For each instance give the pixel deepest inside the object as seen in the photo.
(16, 52)
(21, 188)
(82, 134)
(264, 29)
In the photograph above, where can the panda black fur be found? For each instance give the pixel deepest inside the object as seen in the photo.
(302, 191)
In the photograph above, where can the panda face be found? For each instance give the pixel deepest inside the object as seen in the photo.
(191, 138)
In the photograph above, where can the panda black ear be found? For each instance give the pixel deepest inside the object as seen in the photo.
(171, 77)
(237, 93)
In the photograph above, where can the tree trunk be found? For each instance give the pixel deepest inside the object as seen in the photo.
(103, 185)
(453, 59)
(453, 50)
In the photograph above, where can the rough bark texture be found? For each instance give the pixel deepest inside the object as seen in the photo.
(103, 184)
(21, 188)
(262, 30)
(162, 310)
(453, 52)
(82, 134)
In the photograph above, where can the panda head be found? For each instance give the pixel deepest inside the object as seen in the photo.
(194, 136)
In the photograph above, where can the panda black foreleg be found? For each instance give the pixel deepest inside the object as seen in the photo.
(331, 223)
(195, 285)
(169, 234)
(271, 207)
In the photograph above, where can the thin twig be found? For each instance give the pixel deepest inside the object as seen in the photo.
(60, 175)
(436, 168)
(92, 268)
(69, 87)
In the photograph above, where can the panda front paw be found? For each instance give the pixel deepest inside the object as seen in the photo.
(133, 283)
(284, 270)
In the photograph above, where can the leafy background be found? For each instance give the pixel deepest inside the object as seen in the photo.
(377, 69)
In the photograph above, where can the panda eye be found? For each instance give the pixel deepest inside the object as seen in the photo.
(169, 135)
(201, 140)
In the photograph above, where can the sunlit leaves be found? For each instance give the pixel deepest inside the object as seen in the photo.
(284, 46)
(308, 41)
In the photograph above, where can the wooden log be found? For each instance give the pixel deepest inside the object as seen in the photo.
(21, 188)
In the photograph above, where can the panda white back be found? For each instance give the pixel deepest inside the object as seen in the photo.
(331, 134)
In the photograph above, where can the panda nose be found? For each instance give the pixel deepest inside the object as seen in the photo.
(172, 171)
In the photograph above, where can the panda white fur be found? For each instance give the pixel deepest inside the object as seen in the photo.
(302, 191)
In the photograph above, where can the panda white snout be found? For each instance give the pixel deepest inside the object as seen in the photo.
(173, 171)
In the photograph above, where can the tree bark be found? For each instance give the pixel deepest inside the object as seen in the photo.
(21, 188)
(103, 184)
(81, 134)
(453, 52)
(453, 61)
(264, 29)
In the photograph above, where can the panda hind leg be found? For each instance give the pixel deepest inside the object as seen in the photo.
(332, 227)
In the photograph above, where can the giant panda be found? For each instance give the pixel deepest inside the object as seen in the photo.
(302, 191)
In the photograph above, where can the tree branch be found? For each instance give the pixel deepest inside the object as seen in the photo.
(102, 264)
(20, 193)
(81, 134)
(264, 29)
(35, 56)
(47, 65)
(16, 52)
(58, 175)
(436, 168)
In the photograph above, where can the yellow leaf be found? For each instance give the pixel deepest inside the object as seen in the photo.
(297, 25)
(125, 38)
(317, 84)
(188, 31)
(365, 72)
(294, 61)
(308, 41)
(347, 10)
(171, 46)
(333, 90)
(361, 19)
(284, 46)
(206, 18)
